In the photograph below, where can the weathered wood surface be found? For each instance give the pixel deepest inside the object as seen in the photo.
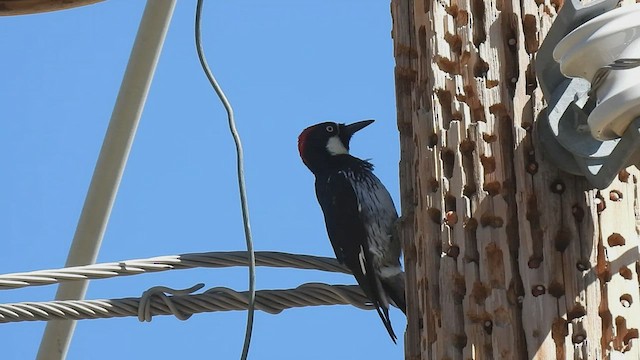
(507, 257)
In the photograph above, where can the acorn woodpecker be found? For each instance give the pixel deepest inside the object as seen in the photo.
(359, 214)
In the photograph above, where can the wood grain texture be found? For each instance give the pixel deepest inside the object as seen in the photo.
(507, 257)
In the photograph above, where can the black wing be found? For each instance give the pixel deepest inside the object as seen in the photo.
(348, 236)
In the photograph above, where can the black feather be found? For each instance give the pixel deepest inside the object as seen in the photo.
(349, 237)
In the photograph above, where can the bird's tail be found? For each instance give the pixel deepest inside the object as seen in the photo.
(383, 312)
(394, 287)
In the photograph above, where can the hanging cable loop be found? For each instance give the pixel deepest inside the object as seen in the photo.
(241, 183)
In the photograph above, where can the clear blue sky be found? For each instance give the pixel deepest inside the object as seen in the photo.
(284, 65)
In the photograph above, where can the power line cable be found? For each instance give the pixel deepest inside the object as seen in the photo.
(241, 183)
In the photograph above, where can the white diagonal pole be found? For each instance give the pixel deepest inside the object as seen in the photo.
(110, 165)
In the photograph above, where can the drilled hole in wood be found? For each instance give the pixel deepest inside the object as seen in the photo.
(515, 292)
(460, 341)
(462, 18)
(556, 289)
(488, 164)
(487, 325)
(532, 167)
(435, 215)
(469, 190)
(422, 40)
(530, 29)
(557, 187)
(434, 185)
(450, 218)
(492, 188)
(467, 146)
(452, 10)
(557, 4)
(471, 254)
(477, 11)
(534, 262)
(538, 290)
(623, 175)
(625, 334)
(488, 219)
(626, 300)
(455, 43)
(499, 109)
(495, 261)
(578, 212)
(489, 138)
(562, 240)
(583, 265)
(454, 251)
(615, 239)
(599, 202)
(576, 312)
(448, 161)
(631, 334)
(477, 114)
(432, 140)
(447, 65)
(615, 195)
(480, 68)
(492, 83)
(578, 337)
(444, 97)
(625, 272)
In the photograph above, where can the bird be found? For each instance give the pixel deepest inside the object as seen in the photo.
(359, 214)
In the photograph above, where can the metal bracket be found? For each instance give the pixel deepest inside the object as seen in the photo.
(562, 128)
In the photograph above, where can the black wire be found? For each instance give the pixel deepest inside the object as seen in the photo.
(241, 184)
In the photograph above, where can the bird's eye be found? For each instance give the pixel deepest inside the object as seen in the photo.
(329, 128)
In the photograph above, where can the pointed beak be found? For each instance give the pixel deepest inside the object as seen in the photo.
(357, 126)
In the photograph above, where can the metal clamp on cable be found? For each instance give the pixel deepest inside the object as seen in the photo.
(588, 68)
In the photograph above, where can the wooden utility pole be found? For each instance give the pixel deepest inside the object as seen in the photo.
(507, 257)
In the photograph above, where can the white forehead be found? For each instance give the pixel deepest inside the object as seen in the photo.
(336, 147)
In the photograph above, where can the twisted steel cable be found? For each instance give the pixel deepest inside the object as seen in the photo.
(163, 263)
(215, 299)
